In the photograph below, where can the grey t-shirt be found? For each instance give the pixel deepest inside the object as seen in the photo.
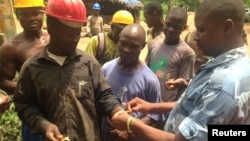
(171, 62)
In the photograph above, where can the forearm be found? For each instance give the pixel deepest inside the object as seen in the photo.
(8, 86)
(88, 26)
(147, 120)
(149, 133)
(115, 111)
(162, 108)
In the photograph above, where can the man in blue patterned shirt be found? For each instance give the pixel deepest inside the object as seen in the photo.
(219, 92)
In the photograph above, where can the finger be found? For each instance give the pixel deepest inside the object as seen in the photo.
(128, 107)
(131, 104)
(60, 138)
(135, 109)
(58, 135)
(170, 81)
(51, 137)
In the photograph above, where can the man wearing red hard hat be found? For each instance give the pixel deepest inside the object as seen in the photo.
(61, 92)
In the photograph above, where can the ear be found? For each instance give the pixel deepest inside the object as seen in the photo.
(228, 26)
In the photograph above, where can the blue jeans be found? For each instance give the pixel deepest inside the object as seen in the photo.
(28, 136)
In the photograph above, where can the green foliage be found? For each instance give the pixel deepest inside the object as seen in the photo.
(163, 3)
(10, 125)
(191, 4)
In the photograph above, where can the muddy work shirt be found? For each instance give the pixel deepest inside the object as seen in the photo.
(71, 96)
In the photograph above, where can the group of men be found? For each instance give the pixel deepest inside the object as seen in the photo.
(65, 93)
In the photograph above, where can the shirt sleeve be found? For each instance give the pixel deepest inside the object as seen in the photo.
(106, 101)
(214, 107)
(26, 103)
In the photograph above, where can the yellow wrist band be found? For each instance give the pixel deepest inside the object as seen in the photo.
(129, 121)
(119, 112)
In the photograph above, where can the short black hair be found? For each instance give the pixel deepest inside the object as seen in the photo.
(220, 10)
(180, 12)
(153, 7)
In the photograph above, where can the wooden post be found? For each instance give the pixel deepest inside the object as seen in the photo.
(7, 20)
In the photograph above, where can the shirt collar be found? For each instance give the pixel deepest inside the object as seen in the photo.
(44, 54)
(227, 56)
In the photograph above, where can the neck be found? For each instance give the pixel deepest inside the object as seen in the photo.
(52, 48)
(130, 67)
(172, 42)
(33, 34)
(111, 37)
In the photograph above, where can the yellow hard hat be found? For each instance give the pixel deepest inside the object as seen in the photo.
(122, 17)
(28, 3)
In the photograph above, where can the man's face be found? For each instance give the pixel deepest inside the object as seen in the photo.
(209, 35)
(129, 47)
(173, 27)
(149, 19)
(116, 30)
(31, 19)
(66, 38)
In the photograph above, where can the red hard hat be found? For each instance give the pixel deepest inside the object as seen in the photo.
(70, 10)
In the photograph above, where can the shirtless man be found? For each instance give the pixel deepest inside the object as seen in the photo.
(29, 42)
(15, 51)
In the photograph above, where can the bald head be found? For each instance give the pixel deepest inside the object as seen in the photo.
(220, 10)
(135, 31)
(131, 42)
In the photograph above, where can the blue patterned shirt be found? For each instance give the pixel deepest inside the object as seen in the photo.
(218, 94)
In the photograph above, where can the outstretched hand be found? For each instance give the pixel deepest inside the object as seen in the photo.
(173, 84)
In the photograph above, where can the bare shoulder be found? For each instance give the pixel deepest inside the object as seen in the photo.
(8, 53)
(10, 46)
